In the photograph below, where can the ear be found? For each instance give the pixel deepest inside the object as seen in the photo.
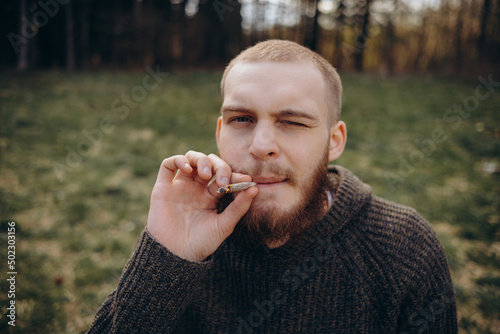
(338, 137)
(217, 131)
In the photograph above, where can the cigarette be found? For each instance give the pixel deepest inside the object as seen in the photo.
(231, 188)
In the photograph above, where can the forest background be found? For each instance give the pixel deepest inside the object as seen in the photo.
(94, 94)
(385, 36)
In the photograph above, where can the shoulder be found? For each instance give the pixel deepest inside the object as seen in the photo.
(399, 224)
(395, 219)
(373, 218)
(404, 239)
(385, 237)
(406, 259)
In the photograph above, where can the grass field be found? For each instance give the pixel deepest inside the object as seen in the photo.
(79, 159)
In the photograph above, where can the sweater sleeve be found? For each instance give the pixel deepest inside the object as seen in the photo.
(429, 306)
(153, 292)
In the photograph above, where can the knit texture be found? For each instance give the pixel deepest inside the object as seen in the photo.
(368, 266)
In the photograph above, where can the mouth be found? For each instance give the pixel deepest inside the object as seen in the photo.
(266, 182)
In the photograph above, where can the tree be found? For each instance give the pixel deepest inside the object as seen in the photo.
(22, 58)
(84, 34)
(138, 45)
(458, 36)
(481, 42)
(311, 37)
(391, 39)
(339, 35)
(362, 37)
(70, 38)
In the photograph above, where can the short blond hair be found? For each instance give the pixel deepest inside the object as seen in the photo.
(281, 51)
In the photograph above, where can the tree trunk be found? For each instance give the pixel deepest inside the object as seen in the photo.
(339, 37)
(362, 38)
(149, 34)
(389, 52)
(22, 59)
(337, 54)
(232, 33)
(312, 37)
(458, 37)
(70, 40)
(391, 40)
(422, 39)
(138, 34)
(84, 35)
(481, 42)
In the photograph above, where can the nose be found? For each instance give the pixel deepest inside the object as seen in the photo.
(263, 145)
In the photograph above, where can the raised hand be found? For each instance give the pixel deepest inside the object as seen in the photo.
(183, 211)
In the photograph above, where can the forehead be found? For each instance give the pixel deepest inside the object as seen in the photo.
(273, 86)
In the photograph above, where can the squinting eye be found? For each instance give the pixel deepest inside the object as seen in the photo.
(242, 119)
(293, 123)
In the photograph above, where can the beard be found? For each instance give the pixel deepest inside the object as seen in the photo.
(269, 225)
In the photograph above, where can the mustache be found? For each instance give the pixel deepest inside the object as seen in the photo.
(258, 169)
(272, 168)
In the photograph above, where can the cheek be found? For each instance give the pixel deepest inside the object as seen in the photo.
(305, 145)
(231, 148)
(300, 156)
(306, 159)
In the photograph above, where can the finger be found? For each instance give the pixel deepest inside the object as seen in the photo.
(235, 211)
(238, 177)
(207, 167)
(169, 167)
(202, 163)
(222, 170)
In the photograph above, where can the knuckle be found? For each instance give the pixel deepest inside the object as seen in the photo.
(223, 169)
(168, 162)
(191, 153)
(213, 156)
(217, 161)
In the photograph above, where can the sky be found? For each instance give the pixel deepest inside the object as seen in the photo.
(288, 12)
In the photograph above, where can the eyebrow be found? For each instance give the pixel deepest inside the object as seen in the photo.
(226, 109)
(295, 113)
(278, 114)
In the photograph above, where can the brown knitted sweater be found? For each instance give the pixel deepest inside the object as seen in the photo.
(368, 266)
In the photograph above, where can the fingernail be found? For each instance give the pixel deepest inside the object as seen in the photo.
(207, 170)
(224, 181)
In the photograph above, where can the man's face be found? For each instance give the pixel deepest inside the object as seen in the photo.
(274, 128)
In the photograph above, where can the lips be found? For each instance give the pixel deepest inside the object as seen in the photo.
(268, 181)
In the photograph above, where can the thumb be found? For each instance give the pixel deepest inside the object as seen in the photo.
(236, 210)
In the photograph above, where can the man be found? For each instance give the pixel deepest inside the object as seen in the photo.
(307, 250)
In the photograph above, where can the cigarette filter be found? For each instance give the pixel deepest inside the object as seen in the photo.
(231, 188)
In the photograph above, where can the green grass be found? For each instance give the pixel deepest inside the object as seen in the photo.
(78, 219)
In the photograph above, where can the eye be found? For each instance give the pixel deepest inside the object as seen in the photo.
(241, 119)
(291, 123)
